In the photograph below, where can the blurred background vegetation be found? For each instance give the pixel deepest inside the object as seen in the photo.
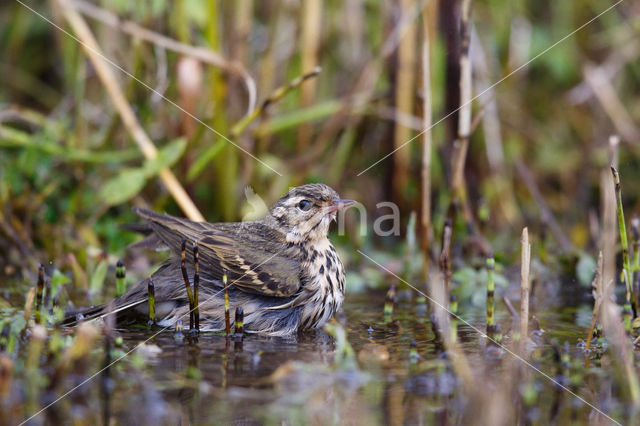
(70, 170)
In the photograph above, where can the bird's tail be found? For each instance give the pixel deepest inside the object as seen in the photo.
(75, 316)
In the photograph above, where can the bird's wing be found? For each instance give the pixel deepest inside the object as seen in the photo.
(254, 262)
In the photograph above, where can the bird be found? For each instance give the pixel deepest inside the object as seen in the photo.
(282, 270)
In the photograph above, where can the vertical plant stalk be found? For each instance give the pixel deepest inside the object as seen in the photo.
(464, 113)
(121, 274)
(226, 162)
(310, 42)
(461, 144)
(404, 100)
(196, 284)
(635, 231)
(445, 254)
(427, 122)
(46, 302)
(28, 307)
(104, 72)
(597, 284)
(389, 302)
(227, 319)
(608, 214)
(525, 284)
(239, 46)
(620, 346)
(32, 368)
(635, 262)
(185, 278)
(627, 272)
(39, 294)
(239, 323)
(151, 292)
(105, 382)
(491, 303)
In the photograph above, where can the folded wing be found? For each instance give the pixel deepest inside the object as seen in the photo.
(253, 255)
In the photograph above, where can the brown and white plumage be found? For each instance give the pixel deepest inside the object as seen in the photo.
(282, 270)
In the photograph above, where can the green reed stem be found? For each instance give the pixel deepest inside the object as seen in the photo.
(389, 301)
(121, 273)
(627, 271)
(635, 231)
(239, 323)
(227, 319)
(39, 293)
(196, 284)
(151, 292)
(627, 316)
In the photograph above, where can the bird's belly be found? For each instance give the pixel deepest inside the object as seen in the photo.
(322, 305)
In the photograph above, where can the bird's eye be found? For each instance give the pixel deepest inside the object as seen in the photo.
(304, 205)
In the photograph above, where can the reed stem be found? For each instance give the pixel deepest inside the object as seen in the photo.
(239, 323)
(491, 303)
(185, 278)
(427, 121)
(389, 301)
(151, 292)
(626, 263)
(39, 294)
(446, 252)
(525, 284)
(121, 274)
(227, 319)
(196, 284)
(597, 283)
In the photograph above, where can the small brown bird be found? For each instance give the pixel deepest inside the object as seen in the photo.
(282, 270)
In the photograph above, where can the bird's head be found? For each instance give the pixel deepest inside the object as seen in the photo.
(305, 212)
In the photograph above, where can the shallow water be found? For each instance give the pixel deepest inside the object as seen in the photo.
(297, 380)
(163, 378)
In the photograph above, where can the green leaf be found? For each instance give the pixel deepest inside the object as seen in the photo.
(58, 279)
(123, 186)
(203, 160)
(167, 156)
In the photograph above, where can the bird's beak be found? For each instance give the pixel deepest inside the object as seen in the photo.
(339, 204)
